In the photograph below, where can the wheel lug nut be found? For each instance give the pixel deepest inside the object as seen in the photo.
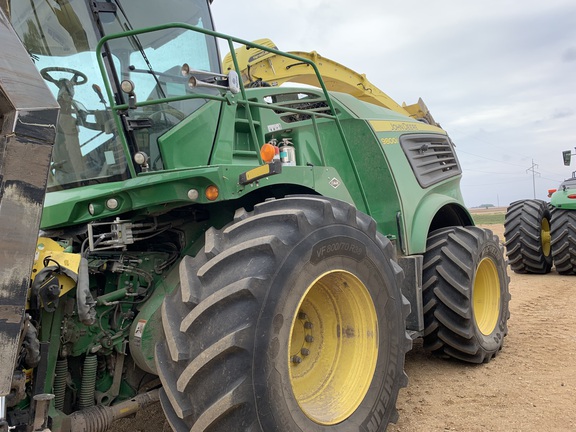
(296, 359)
(307, 325)
(305, 351)
(309, 338)
(302, 315)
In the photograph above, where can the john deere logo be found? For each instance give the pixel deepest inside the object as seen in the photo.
(334, 182)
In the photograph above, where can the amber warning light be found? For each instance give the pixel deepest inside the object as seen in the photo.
(267, 152)
(212, 192)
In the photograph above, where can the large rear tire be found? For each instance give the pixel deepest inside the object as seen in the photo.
(564, 240)
(291, 319)
(527, 233)
(465, 294)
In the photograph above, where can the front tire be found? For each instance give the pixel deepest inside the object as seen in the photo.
(465, 294)
(290, 320)
(527, 233)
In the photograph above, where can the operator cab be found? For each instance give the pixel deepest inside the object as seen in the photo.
(92, 141)
(568, 183)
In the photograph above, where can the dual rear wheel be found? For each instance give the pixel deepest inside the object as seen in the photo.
(538, 236)
(527, 230)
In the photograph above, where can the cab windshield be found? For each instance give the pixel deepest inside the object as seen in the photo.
(61, 36)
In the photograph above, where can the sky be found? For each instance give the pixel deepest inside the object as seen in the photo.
(499, 76)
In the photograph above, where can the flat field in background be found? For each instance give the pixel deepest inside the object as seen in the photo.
(489, 216)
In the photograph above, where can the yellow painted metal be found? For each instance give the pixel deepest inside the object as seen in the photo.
(274, 69)
(48, 248)
(486, 296)
(419, 110)
(258, 172)
(403, 126)
(333, 347)
(545, 237)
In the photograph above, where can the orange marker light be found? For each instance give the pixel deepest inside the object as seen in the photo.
(212, 192)
(267, 152)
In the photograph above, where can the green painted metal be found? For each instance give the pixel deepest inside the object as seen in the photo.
(244, 98)
(561, 199)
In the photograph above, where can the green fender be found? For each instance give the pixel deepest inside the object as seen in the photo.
(440, 209)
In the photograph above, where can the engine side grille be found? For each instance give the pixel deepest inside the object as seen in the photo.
(431, 157)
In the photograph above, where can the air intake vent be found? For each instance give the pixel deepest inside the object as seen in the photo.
(431, 157)
(298, 101)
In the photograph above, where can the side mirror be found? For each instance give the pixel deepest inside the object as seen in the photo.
(233, 82)
(567, 155)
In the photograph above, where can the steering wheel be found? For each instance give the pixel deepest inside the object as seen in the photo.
(45, 73)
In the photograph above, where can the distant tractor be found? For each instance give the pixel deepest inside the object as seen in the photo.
(539, 234)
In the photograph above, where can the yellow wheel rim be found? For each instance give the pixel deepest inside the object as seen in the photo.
(545, 237)
(486, 296)
(333, 347)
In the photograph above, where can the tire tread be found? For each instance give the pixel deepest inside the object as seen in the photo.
(522, 231)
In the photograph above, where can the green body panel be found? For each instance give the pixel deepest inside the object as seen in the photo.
(417, 217)
(560, 198)
(147, 326)
(320, 154)
(189, 143)
(389, 181)
(418, 206)
(155, 194)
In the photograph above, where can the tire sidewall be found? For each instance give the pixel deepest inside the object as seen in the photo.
(333, 247)
(490, 249)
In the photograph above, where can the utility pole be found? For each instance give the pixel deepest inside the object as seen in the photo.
(532, 169)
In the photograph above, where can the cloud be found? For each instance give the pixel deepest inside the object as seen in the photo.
(569, 55)
(498, 75)
(562, 113)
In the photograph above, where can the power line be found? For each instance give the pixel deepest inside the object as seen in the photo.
(487, 143)
(458, 151)
(515, 174)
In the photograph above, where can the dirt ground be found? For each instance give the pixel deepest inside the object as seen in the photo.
(529, 386)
